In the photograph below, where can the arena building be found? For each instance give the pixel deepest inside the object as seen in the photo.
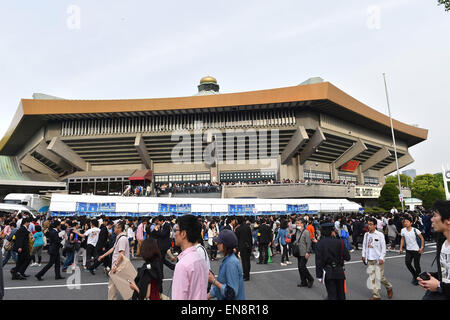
(311, 132)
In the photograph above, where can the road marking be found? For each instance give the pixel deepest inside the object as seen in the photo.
(251, 273)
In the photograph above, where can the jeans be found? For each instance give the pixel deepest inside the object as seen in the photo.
(8, 255)
(347, 243)
(410, 255)
(69, 259)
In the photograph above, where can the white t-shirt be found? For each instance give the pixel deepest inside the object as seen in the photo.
(371, 252)
(445, 262)
(92, 235)
(130, 233)
(410, 239)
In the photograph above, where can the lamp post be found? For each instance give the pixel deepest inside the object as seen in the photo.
(393, 139)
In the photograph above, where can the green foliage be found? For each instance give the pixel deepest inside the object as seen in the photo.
(372, 210)
(440, 177)
(446, 4)
(389, 197)
(405, 180)
(428, 188)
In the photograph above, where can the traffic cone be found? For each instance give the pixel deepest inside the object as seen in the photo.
(269, 253)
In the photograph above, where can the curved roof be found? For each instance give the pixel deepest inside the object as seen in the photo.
(323, 97)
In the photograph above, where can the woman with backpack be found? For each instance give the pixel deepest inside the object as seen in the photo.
(342, 232)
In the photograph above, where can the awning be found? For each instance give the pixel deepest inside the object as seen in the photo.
(141, 175)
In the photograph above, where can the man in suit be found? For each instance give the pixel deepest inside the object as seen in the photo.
(161, 233)
(102, 243)
(22, 247)
(245, 241)
(303, 241)
(54, 244)
(264, 239)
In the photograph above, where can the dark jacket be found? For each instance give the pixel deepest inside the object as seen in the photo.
(245, 239)
(145, 275)
(102, 239)
(330, 256)
(265, 234)
(22, 240)
(445, 287)
(162, 236)
(358, 228)
(54, 241)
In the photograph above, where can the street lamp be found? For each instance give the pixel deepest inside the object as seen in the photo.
(393, 139)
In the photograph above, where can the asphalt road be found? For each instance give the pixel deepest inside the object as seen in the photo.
(268, 282)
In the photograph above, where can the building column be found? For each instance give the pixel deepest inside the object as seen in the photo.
(359, 176)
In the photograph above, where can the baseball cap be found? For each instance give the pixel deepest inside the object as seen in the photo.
(228, 238)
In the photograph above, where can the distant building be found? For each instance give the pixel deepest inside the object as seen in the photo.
(410, 173)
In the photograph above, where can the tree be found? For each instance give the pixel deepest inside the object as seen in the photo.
(405, 181)
(446, 4)
(440, 177)
(428, 188)
(389, 197)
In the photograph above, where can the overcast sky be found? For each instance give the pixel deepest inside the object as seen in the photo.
(147, 49)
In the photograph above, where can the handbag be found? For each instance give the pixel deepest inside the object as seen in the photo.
(287, 240)
(9, 245)
(296, 248)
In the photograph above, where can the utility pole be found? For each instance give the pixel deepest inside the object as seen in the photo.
(393, 139)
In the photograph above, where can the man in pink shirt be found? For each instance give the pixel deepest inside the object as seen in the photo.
(190, 278)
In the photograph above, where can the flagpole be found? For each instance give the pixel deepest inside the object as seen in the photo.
(393, 139)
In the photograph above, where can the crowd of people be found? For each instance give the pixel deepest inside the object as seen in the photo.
(187, 244)
(187, 188)
(172, 188)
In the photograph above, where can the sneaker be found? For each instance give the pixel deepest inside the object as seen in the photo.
(288, 262)
(353, 250)
(283, 264)
(34, 264)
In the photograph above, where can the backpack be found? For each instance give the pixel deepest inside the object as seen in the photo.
(343, 234)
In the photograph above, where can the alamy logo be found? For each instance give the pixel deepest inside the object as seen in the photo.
(74, 281)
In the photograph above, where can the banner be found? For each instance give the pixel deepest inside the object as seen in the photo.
(296, 208)
(83, 207)
(241, 209)
(168, 209)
